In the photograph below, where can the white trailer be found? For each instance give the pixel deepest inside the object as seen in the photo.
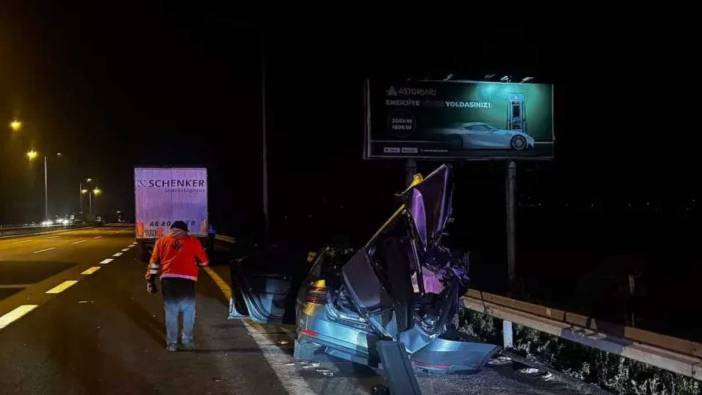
(164, 195)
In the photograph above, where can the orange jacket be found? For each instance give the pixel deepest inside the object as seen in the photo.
(177, 255)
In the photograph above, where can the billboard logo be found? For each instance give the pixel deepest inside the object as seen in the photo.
(410, 91)
(171, 183)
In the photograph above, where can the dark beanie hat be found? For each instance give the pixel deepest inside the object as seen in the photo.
(180, 225)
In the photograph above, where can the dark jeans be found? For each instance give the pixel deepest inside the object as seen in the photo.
(178, 297)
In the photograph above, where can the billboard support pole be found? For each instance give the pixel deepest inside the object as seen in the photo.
(510, 187)
(410, 171)
(264, 147)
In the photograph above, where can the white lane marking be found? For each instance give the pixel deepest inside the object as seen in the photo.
(62, 287)
(106, 261)
(52, 237)
(125, 249)
(44, 250)
(79, 241)
(16, 314)
(23, 241)
(282, 363)
(97, 237)
(91, 270)
(117, 254)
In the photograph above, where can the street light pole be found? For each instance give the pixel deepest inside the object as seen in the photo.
(264, 147)
(31, 155)
(46, 190)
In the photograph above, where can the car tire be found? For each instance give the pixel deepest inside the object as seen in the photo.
(518, 143)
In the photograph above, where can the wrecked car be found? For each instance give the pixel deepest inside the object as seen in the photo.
(402, 286)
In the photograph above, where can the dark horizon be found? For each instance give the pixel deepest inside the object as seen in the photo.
(170, 85)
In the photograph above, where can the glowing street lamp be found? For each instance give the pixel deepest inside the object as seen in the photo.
(16, 125)
(97, 191)
(32, 154)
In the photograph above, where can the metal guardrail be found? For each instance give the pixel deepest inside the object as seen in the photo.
(226, 239)
(666, 352)
(20, 230)
(18, 227)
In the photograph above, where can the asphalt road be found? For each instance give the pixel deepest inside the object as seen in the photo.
(97, 331)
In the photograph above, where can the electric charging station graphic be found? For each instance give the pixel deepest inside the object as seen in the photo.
(515, 113)
(458, 119)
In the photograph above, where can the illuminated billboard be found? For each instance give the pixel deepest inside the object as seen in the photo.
(458, 120)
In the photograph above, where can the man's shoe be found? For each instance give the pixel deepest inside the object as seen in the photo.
(171, 347)
(188, 346)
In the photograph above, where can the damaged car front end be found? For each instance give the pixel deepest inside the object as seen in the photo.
(403, 286)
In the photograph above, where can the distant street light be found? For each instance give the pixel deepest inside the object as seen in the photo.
(16, 125)
(97, 191)
(32, 154)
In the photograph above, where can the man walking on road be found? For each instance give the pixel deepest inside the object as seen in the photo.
(176, 257)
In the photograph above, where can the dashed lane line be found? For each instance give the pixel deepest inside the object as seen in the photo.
(16, 314)
(117, 254)
(91, 270)
(62, 287)
(44, 250)
(97, 237)
(78, 242)
(125, 249)
(106, 261)
(23, 241)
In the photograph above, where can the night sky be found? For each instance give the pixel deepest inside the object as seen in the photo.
(116, 86)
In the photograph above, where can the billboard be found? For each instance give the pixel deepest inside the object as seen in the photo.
(458, 120)
(166, 195)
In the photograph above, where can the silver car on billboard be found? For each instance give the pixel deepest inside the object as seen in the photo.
(480, 135)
